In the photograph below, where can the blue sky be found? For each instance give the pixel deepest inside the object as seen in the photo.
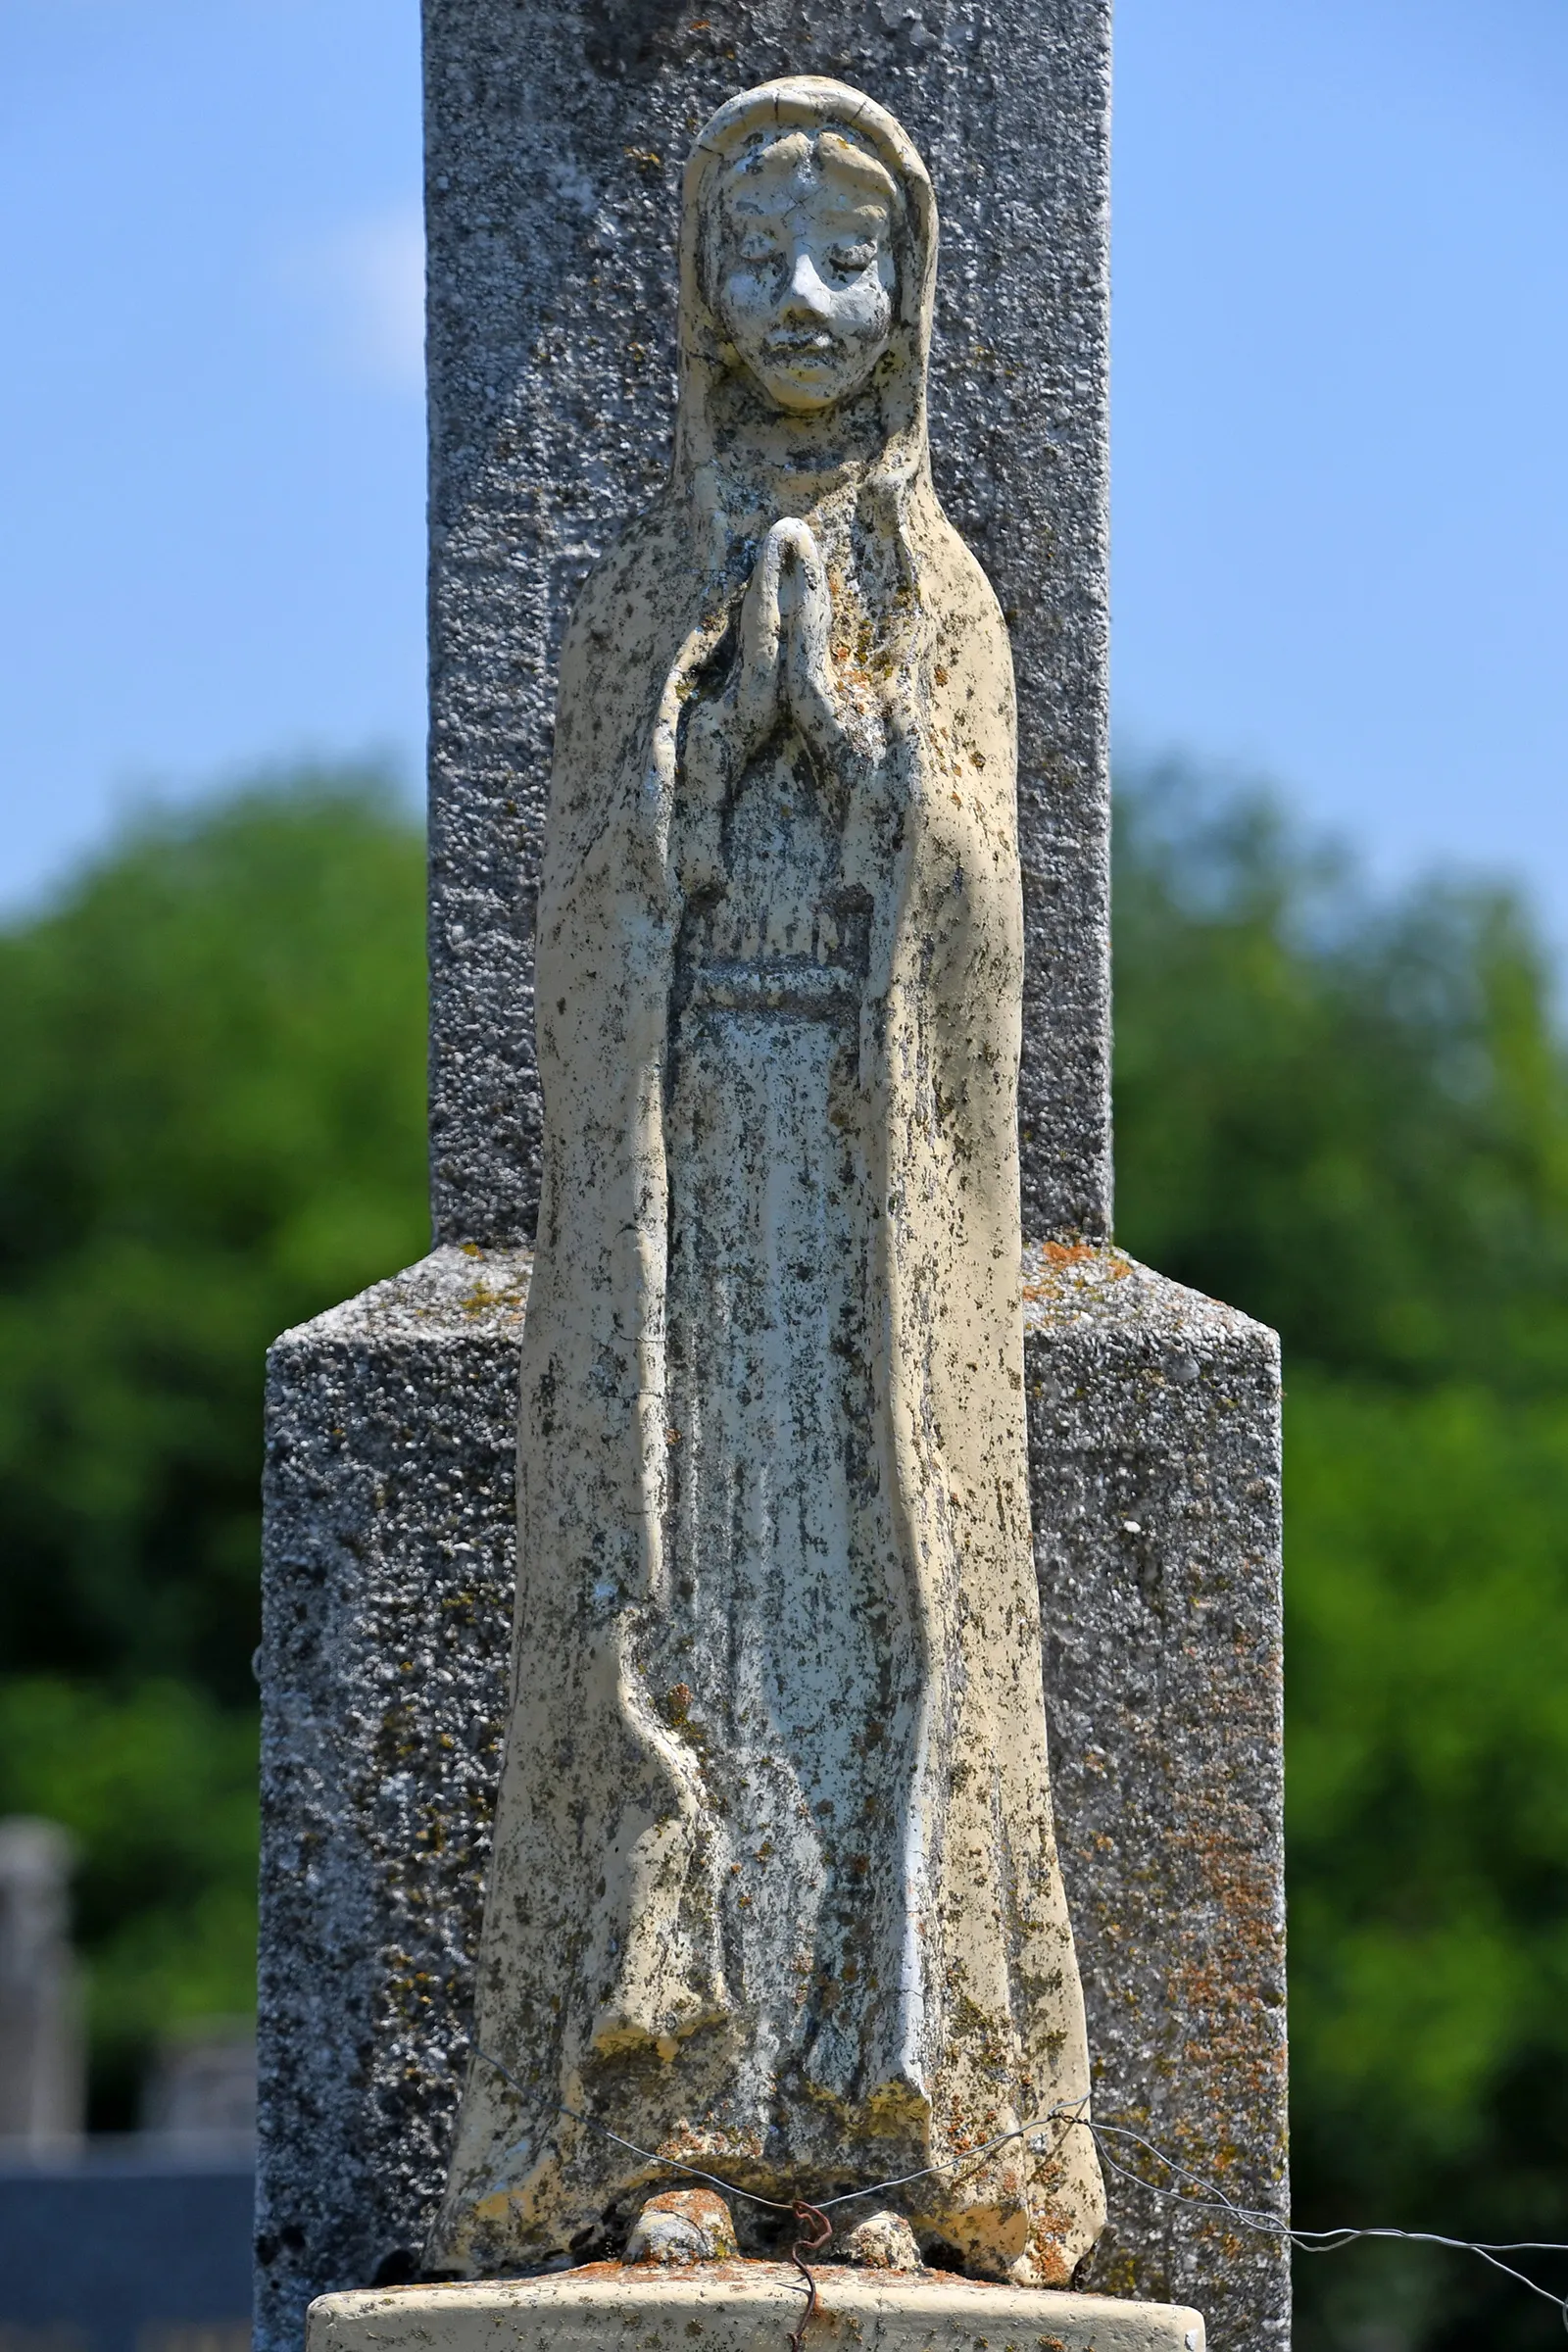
(1340, 352)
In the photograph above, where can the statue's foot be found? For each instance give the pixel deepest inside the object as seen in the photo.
(683, 2226)
(883, 2241)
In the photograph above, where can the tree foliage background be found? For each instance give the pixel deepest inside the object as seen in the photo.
(1351, 1117)
(1348, 1115)
(211, 1125)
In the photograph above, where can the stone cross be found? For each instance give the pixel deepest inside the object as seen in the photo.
(554, 139)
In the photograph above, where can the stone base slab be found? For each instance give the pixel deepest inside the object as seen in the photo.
(740, 2307)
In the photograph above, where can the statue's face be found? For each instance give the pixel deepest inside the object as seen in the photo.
(805, 275)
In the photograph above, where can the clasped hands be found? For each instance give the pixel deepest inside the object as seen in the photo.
(783, 673)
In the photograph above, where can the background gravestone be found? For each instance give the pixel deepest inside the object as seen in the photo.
(554, 140)
(43, 2084)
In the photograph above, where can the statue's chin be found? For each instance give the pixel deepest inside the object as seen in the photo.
(808, 391)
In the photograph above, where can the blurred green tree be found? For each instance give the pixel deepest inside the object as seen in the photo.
(157, 1784)
(1352, 1119)
(1349, 1118)
(211, 1125)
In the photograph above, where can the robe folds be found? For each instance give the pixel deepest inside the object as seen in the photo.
(774, 1887)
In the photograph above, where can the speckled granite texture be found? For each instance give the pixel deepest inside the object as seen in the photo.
(1153, 1443)
(389, 1569)
(1154, 1440)
(556, 132)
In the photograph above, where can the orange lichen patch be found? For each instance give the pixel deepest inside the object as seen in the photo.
(685, 2143)
(750, 2271)
(1056, 1260)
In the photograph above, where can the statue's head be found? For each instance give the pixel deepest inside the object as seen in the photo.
(802, 271)
(808, 268)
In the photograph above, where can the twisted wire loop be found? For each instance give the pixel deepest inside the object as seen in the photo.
(801, 2248)
(1192, 2191)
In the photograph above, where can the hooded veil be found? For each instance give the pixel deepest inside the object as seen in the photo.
(774, 1888)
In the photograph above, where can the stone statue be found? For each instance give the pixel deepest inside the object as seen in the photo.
(774, 1888)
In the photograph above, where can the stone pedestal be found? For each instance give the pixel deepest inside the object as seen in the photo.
(1153, 1429)
(742, 2307)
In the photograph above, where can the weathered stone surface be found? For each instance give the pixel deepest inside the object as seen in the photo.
(389, 1570)
(1153, 1440)
(683, 2226)
(883, 2241)
(390, 1563)
(742, 2307)
(554, 140)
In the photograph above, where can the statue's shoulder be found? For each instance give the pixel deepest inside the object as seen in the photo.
(620, 641)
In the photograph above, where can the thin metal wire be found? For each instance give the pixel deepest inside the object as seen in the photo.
(1199, 2194)
(800, 2209)
(752, 2196)
(1301, 2238)
(1213, 2198)
(977, 2155)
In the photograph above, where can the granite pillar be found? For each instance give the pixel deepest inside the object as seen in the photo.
(554, 140)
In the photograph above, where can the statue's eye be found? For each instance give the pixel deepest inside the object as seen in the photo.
(758, 248)
(851, 257)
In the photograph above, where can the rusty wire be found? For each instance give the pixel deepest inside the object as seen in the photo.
(797, 2253)
(801, 2211)
(1194, 2191)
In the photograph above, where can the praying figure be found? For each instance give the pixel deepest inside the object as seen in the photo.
(774, 1889)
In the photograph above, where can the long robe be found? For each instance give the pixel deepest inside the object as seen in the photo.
(774, 1884)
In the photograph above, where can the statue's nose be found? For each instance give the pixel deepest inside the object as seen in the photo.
(807, 293)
